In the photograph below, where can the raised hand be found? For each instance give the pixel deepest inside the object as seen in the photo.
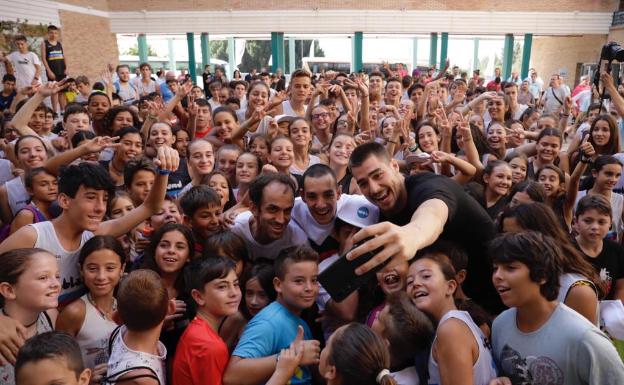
(51, 88)
(99, 143)
(167, 159)
(184, 89)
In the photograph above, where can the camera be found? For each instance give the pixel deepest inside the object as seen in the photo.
(610, 52)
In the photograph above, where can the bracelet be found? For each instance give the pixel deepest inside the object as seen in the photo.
(391, 141)
(586, 160)
(163, 172)
(152, 117)
(413, 148)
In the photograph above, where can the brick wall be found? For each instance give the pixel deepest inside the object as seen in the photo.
(88, 44)
(464, 5)
(551, 54)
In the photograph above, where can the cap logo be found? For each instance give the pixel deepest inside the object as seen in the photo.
(362, 212)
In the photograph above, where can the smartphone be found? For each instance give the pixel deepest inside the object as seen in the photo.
(340, 280)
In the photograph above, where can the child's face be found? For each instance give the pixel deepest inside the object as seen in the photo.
(246, 168)
(22, 46)
(221, 186)
(513, 283)
(160, 135)
(8, 86)
(282, 154)
(608, 176)
(220, 297)
(101, 272)
(141, 185)
(201, 158)
(83, 88)
(131, 146)
(45, 187)
(53, 34)
(39, 285)
(37, 120)
(592, 225)
(428, 287)
(205, 221)
(172, 253)
(50, 371)
(75, 123)
(256, 298)
(120, 207)
(299, 288)
(549, 179)
(87, 208)
(260, 148)
(169, 214)
(392, 279)
(181, 143)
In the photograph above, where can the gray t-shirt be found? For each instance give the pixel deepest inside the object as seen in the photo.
(567, 349)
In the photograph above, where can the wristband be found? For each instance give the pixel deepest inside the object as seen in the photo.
(413, 148)
(152, 117)
(163, 172)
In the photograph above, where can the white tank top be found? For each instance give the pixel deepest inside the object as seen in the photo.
(17, 194)
(288, 110)
(123, 358)
(483, 370)
(94, 335)
(7, 371)
(71, 282)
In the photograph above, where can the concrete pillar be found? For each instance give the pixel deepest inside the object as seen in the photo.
(292, 63)
(433, 49)
(277, 51)
(443, 49)
(475, 54)
(143, 51)
(508, 55)
(205, 49)
(526, 55)
(190, 42)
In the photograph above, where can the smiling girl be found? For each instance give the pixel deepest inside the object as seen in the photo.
(459, 353)
(90, 318)
(200, 161)
(301, 137)
(248, 167)
(29, 289)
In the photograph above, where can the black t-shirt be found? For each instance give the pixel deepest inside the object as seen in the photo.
(609, 264)
(468, 224)
(5, 101)
(178, 179)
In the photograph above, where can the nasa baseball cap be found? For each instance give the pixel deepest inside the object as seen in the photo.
(357, 211)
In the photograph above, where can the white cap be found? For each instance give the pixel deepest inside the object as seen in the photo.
(357, 211)
(284, 118)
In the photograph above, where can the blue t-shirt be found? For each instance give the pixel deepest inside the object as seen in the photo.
(270, 331)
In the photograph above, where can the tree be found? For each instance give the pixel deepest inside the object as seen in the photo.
(219, 49)
(9, 29)
(134, 51)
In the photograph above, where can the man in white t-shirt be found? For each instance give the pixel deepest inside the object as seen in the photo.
(26, 64)
(267, 228)
(554, 96)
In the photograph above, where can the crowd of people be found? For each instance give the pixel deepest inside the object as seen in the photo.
(158, 232)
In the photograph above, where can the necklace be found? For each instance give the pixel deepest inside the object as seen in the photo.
(26, 326)
(104, 314)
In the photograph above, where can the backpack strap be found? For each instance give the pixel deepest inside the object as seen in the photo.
(111, 339)
(110, 380)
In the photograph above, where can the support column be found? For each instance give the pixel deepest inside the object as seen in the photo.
(526, 55)
(475, 54)
(443, 49)
(205, 49)
(142, 44)
(414, 53)
(172, 61)
(190, 42)
(507, 55)
(277, 51)
(231, 57)
(433, 49)
(357, 59)
(292, 62)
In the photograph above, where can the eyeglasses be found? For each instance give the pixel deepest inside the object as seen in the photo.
(322, 115)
